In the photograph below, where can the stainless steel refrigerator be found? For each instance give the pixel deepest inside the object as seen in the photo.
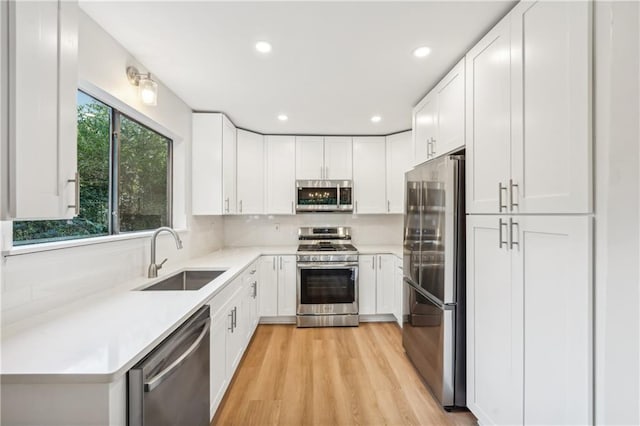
(434, 276)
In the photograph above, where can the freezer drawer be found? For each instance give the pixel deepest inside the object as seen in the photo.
(428, 337)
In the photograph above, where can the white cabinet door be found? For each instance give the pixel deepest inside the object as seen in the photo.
(367, 283)
(425, 127)
(552, 263)
(399, 160)
(494, 325)
(229, 166)
(250, 180)
(369, 177)
(4, 106)
(235, 336)
(42, 141)
(309, 157)
(268, 286)
(488, 116)
(281, 174)
(338, 156)
(287, 275)
(251, 299)
(206, 164)
(451, 111)
(551, 86)
(220, 322)
(385, 284)
(398, 285)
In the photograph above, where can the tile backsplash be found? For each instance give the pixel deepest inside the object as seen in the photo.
(241, 231)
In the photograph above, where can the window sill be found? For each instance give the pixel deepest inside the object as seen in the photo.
(60, 245)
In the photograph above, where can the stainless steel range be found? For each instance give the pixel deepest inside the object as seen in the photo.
(327, 265)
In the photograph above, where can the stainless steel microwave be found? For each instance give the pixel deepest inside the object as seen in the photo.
(324, 196)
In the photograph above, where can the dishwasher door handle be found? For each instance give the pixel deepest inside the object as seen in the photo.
(152, 383)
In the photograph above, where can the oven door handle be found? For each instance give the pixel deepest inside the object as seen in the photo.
(327, 265)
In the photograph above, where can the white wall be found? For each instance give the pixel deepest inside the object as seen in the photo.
(617, 195)
(37, 282)
(240, 231)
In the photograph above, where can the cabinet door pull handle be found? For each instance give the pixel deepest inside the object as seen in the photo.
(379, 262)
(512, 241)
(226, 203)
(274, 263)
(373, 263)
(240, 206)
(230, 328)
(500, 189)
(511, 197)
(501, 223)
(433, 147)
(388, 206)
(292, 211)
(281, 263)
(76, 206)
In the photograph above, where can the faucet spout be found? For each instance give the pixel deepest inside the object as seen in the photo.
(153, 267)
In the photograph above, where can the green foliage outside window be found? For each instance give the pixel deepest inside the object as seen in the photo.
(143, 181)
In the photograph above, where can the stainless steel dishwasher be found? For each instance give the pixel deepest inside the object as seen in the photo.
(170, 387)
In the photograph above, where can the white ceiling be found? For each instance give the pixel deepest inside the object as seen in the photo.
(333, 64)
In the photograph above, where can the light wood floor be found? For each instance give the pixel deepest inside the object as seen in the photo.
(330, 376)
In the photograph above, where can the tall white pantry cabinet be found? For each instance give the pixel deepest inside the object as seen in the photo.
(529, 223)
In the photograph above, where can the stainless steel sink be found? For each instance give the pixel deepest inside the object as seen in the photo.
(185, 281)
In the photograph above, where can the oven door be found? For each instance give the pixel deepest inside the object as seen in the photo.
(327, 288)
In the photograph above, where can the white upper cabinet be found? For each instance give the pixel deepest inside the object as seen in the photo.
(310, 157)
(369, 177)
(529, 112)
(438, 120)
(250, 170)
(425, 127)
(213, 164)
(450, 111)
(399, 160)
(488, 121)
(281, 174)
(206, 164)
(551, 161)
(42, 64)
(320, 157)
(338, 158)
(229, 135)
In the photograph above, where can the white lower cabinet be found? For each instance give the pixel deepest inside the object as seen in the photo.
(376, 293)
(398, 285)
(234, 317)
(529, 315)
(277, 286)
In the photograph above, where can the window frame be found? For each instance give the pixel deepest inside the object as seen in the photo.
(114, 170)
(118, 110)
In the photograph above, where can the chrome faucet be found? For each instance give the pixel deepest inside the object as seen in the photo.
(153, 268)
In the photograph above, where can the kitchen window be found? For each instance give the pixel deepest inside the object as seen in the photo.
(125, 173)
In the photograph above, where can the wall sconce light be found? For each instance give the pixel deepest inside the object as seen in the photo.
(147, 88)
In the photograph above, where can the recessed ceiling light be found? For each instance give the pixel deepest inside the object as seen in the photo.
(263, 47)
(376, 119)
(283, 117)
(421, 51)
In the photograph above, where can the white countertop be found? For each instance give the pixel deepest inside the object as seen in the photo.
(99, 340)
